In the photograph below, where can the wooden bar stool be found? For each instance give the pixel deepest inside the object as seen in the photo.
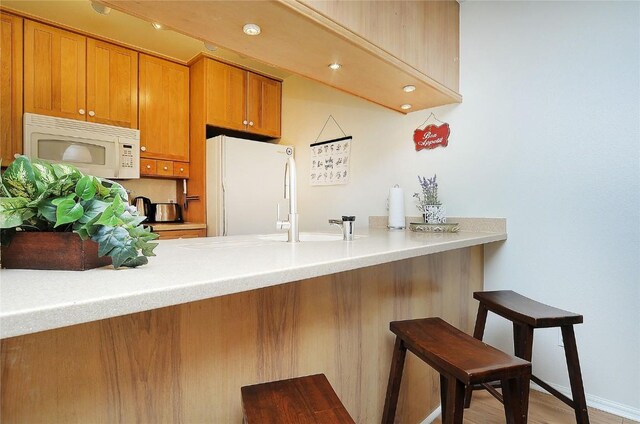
(527, 315)
(461, 361)
(302, 400)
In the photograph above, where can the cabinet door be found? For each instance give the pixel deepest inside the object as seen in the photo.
(112, 84)
(164, 109)
(263, 105)
(11, 87)
(226, 95)
(54, 71)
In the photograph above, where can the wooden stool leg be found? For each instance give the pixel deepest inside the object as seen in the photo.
(515, 393)
(478, 333)
(443, 398)
(523, 348)
(523, 341)
(393, 386)
(452, 394)
(481, 321)
(575, 376)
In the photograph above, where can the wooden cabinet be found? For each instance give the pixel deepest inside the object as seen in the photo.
(148, 167)
(242, 100)
(164, 111)
(163, 168)
(175, 234)
(11, 87)
(382, 45)
(422, 34)
(71, 76)
(112, 84)
(263, 105)
(226, 96)
(180, 169)
(54, 71)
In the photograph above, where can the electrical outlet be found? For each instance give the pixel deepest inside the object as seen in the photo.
(560, 341)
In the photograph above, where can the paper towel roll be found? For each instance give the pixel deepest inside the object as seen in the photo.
(396, 208)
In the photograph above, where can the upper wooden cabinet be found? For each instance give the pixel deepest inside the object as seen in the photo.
(164, 109)
(54, 71)
(226, 95)
(423, 34)
(71, 76)
(264, 98)
(11, 87)
(382, 46)
(241, 100)
(112, 84)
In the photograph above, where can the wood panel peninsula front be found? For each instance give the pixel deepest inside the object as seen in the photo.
(175, 340)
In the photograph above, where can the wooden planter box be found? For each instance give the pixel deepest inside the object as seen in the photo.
(40, 250)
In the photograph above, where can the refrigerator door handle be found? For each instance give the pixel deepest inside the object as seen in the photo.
(223, 157)
(224, 208)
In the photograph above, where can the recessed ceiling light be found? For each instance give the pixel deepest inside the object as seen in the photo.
(405, 106)
(157, 25)
(335, 66)
(209, 46)
(251, 29)
(100, 8)
(409, 88)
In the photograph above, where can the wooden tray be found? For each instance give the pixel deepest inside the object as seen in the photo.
(421, 227)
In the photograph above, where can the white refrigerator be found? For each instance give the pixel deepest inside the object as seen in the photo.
(245, 183)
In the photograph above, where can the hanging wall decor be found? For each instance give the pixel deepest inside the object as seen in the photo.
(432, 135)
(330, 159)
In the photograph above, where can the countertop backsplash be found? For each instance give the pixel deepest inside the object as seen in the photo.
(158, 190)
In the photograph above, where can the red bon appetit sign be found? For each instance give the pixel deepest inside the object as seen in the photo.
(431, 137)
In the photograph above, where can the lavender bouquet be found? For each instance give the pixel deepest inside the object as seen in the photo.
(427, 201)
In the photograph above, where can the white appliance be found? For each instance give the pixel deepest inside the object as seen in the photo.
(245, 183)
(96, 149)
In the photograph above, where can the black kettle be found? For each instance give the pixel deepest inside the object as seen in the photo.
(143, 205)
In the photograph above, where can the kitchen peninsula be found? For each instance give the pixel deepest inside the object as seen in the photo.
(175, 340)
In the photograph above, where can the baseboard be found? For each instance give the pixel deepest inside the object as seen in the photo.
(599, 403)
(432, 416)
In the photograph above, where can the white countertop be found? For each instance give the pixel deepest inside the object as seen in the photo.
(187, 270)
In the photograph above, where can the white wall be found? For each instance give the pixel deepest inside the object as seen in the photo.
(548, 136)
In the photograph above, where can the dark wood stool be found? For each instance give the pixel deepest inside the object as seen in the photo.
(461, 361)
(299, 400)
(526, 315)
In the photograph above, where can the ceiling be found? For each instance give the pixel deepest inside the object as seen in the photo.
(130, 31)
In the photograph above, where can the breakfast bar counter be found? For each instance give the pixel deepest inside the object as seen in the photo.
(174, 340)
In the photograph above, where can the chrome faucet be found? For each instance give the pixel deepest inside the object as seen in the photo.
(291, 193)
(346, 224)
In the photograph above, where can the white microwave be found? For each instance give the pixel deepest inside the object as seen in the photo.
(96, 149)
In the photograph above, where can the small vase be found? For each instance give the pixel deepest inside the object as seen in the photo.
(434, 214)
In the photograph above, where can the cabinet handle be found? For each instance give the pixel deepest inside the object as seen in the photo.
(81, 111)
(165, 168)
(244, 122)
(148, 166)
(181, 169)
(144, 149)
(251, 123)
(92, 113)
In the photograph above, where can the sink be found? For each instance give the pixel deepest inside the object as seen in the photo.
(257, 240)
(303, 237)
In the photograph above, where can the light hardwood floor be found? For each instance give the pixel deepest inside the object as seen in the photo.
(543, 409)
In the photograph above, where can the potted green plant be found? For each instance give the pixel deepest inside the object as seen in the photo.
(428, 203)
(53, 205)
